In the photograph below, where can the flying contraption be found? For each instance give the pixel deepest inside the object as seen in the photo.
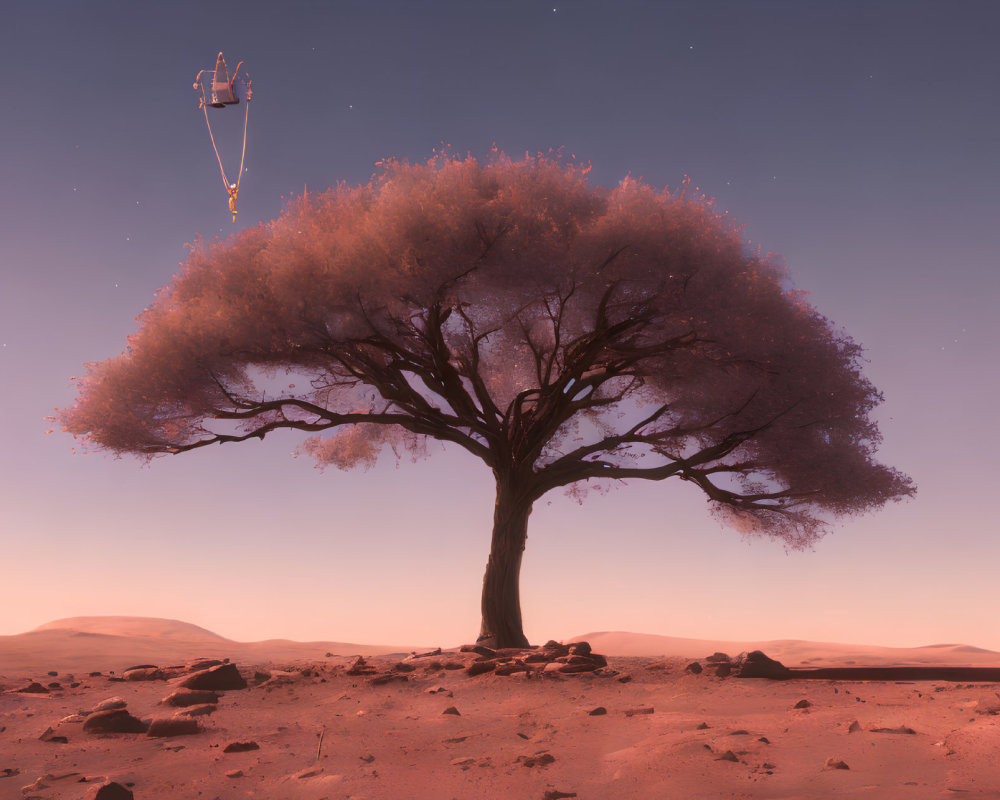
(224, 90)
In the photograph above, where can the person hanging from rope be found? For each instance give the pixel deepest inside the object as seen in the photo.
(223, 92)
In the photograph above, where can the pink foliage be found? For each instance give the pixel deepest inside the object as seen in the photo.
(561, 333)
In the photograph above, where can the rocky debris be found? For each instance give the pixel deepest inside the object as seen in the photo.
(598, 712)
(189, 697)
(729, 755)
(110, 790)
(33, 688)
(803, 703)
(540, 759)
(109, 704)
(116, 720)
(451, 710)
(757, 665)
(221, 677)
(240, 747)
(900, 729)
(717, 657)
(173, 726)
(439, 690)
(555, 794)
(634, 712)
(836, 763)
(197, 711)
(694, 668)
(855, 727)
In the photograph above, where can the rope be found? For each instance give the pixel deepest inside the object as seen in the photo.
(246, 116)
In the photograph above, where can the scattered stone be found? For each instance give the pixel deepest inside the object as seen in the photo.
(220, 678)
(451, 710)
(33, 688)
(116, 720)
(694, 668)
(439, 690)
(109, 704)
(189, 697)
(739, 732)
(540, 759)
(55, 685)
(803, 703)
(900, 729)
(95, 674)
(764, 739)
(109, 791)
(835, 763)
(598, 712)
(368, 758)
(855, 727)
(729, 755)
(626, 678)
(197, 711)
(718, 657)
(240, 747)
(173, 726)
(702, 726)
(9, 772)
(555, 794)
(633, 712)
(462, 761)
(52, 673)
(309, 773)
(758, 665)
(234, 773)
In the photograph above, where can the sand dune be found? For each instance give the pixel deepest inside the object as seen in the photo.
(791, 652)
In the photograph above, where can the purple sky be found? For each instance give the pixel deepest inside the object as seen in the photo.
(858, 139)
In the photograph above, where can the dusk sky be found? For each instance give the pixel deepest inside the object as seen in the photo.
(857, 139)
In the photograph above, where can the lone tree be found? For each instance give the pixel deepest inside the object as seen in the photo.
(560, 333)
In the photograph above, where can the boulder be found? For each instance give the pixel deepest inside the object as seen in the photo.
(109, 791)
(218, 678)
(197, 711)
(481, 667)
(116, 720)
(240, 747)
(717, 657)
(189, 697)
(173, 726)
(109, 704)
(694, 668)
(144, 674)
(758, 665)
(579, 648)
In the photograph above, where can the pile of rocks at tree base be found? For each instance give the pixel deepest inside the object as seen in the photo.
(550, 660)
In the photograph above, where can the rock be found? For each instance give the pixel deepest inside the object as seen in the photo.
(540, 759)
(634, 712)
(729, 755)
(626, 678)
(139, 666)
(855, 727)
(555, 794)
(463, 761)
(234, 773)
(579, 648)
(453, 665)
(387, 677)
(438, 690)
(694, 668)
(189, 697)
(451, 710)
(260, 675)
(117, 720)
(702, 726)
(240, 747)
(360, 667)
(900, 729)
(598, 712)
(173, 726)
(572, 669)
(536, 658)
(481, 667)
(72, 719)
(717, 657)
(221, 678)
(197, 711)
(757, 665)
(836, 763)
(109, 791)
(803, 703)
(403, 666)
(144, 674)
(723, 670)
(202, 663)
(368, 758)
(33, 688)
(109, 704)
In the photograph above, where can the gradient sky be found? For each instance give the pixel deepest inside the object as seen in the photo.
(858, 139)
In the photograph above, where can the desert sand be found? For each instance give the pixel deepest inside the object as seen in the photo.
(339, 720)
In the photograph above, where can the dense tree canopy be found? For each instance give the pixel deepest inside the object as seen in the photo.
(561, 333)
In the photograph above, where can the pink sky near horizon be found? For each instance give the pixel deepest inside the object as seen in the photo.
(858, 142)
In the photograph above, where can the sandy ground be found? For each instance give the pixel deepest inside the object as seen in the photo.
(666, 733)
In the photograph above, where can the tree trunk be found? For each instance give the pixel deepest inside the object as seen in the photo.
(501, 604)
